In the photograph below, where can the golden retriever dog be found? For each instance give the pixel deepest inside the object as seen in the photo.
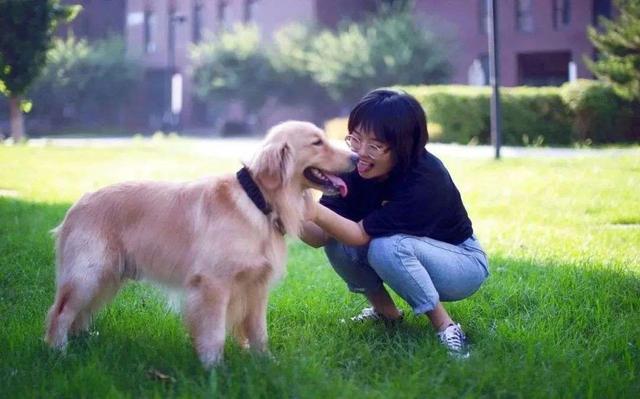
(219, 240)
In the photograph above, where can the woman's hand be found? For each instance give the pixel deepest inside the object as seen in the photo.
(321, 222)
(336, 226)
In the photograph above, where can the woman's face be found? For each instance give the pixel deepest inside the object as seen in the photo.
(376, 158)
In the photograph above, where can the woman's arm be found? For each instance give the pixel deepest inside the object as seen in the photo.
(313, 235)
(334, 225)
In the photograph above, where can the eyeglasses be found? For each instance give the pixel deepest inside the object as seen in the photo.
(372, 150)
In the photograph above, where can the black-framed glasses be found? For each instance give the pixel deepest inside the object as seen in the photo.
(372, 150)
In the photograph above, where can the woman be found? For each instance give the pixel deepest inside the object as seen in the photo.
(402, 221)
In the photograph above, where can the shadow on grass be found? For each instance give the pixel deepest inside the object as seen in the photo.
(537, 330)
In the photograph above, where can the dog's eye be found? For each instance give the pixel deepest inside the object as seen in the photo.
(317, 142)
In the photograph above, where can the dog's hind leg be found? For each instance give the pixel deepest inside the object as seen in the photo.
(82, 287)
(70, 311)
(75, 302)
(107, 288)
(205, 313)
(81, 322)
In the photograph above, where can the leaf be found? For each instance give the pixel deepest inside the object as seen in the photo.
(156, 374)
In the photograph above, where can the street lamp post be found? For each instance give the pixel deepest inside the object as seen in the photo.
(496, 114)
(173, 82)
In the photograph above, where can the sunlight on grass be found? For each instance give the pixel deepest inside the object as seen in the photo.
(559, 315)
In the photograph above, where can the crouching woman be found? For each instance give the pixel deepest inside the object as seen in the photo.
(402, 222)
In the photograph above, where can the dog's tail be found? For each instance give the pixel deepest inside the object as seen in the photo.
(53, 336)
(55, 232)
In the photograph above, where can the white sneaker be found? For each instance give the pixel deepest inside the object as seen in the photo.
(370, 314)
(454, 340)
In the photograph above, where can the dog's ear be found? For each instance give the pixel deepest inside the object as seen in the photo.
(274, 165)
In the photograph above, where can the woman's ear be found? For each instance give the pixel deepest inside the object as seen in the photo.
(274, 166)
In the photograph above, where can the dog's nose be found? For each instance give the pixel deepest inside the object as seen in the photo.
(354, 158)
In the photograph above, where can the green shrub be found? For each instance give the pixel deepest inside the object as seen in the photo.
(599, 115)
(83, 80)
(318, 68)
(582, 112)
(386, 49)
(233, 66)
(462, 112)
(290, 58)
(534, 116)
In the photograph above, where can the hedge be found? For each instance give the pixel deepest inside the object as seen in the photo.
(601, 115)
(581, 112)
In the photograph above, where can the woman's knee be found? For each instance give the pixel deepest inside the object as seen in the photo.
(350, 264)
(340, 255)
(381, 251)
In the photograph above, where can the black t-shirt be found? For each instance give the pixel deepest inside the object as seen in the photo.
(424, 202)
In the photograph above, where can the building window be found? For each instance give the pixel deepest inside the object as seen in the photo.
(601, 8)
(197, 21)
(249, 7)
(561, 14)
(222, 13)
(483, 16)
(543, 68)
(150, 31)
(524, 15)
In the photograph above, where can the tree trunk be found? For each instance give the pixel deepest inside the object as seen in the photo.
(16, 118)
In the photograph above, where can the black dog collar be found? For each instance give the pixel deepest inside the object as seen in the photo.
(253, 191)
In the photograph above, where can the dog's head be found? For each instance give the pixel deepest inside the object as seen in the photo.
(299, 154)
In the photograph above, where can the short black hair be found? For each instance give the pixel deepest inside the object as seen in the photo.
(395, 118)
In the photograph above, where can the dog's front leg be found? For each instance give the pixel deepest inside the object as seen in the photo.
(255, 322)
(206, 310)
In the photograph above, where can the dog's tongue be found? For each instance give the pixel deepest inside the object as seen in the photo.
(338, 182)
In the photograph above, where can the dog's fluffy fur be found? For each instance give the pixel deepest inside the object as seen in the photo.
(205, 237)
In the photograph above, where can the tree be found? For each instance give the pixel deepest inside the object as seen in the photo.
(92, 80)
(26, 33)
(321, 68)
(389, 48)
(233, 66)
(618, 45)
(290, 57)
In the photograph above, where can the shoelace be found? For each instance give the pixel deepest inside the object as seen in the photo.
(453, 337)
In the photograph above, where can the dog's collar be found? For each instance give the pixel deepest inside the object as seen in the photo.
(253, 191)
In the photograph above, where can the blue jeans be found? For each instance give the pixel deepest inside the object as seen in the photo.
(421, 270)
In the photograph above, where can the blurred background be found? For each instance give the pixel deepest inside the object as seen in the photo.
(219, 68)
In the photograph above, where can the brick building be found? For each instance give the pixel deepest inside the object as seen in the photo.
(539, 39)
(98, 19)
(159, 33)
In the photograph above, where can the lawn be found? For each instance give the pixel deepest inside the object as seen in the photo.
(558, 317)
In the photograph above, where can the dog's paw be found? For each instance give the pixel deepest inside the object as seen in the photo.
(211, 359)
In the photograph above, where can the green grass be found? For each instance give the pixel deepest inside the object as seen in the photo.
(558, 317)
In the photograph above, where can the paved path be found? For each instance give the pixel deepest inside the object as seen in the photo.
(240, 147)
